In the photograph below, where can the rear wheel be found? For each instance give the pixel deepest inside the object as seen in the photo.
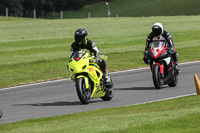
(84, 94)
(174, 81)
(108, 95)
(157, 77)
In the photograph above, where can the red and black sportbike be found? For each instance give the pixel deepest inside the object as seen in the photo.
(162, 65)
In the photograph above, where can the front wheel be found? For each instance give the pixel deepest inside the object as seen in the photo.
(157, 77)
(84, 94)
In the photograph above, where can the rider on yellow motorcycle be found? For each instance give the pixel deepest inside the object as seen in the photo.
(82, 42)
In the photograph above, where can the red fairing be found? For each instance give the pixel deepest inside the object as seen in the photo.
(157, 52)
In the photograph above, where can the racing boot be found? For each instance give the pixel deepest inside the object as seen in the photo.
(177, 68)
(107, 79)
(175, 58)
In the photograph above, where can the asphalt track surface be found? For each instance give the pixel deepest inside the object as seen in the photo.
(60, 97)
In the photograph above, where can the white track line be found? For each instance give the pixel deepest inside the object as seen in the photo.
(164, 99)
(46, 82)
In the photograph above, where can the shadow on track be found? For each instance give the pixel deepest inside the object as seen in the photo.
(136, 88)
(62, 103)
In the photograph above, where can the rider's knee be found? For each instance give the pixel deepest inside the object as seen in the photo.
(102, 64)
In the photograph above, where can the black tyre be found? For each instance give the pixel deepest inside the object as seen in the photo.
(157, 77)
(174, 81)
(108, 96)
(84, 94)
(1, 111)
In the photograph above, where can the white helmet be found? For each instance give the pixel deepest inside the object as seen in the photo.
(157, 29)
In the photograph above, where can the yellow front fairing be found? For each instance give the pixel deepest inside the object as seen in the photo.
(82, 66)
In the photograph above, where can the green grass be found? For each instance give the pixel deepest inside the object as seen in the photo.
(38, 50)
(175, 115)
(136, 8)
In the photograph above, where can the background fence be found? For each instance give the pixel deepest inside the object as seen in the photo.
(55, 15)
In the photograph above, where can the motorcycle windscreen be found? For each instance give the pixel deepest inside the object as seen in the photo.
(79, 54)
(156, 48)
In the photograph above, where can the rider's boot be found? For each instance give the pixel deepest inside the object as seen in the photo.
(107, 79)
(177, 68)
(175, 58)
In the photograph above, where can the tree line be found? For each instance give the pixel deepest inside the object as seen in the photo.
(24, 8)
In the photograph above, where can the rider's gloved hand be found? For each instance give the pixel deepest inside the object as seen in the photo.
(171, 51)
(145, 59)
(146, 51)
(95, 59)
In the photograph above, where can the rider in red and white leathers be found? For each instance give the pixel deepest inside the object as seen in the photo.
(159, 34)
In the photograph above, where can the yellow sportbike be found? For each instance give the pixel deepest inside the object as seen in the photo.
(88, 77)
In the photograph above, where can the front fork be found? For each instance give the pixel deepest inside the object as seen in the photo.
(86, 81)
(161, 66)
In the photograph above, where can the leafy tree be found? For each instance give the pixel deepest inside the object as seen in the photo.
(25, 7)
(69, 4)
(30, 5)
(14, 7)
